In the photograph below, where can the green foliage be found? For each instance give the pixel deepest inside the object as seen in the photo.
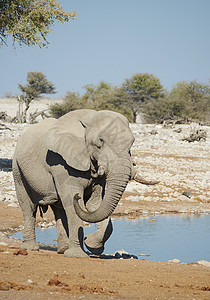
(187, 100)
(164, 109)
(30, 21)
(142, 93)
(141, 88)
(102, 96)
(72, 101)
(196, 97)
(37, 85)
(118, 102)
(97, 96)
(191, 91)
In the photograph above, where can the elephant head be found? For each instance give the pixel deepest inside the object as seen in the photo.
(100, 141)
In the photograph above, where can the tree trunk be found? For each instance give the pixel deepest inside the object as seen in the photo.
(25, 111)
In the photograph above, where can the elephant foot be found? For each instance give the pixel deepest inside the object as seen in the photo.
(30, 245)
(75, 252)
(93, 245)
(62, 247)
(96, 251)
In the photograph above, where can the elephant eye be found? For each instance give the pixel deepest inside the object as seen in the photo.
(99, 143)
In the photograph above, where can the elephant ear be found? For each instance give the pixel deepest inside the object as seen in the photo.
(67, 138)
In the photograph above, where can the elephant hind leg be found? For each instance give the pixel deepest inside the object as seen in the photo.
(28, 209)
(62, 228)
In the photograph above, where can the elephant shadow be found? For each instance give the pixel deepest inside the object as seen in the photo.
(101, 256)
(112, 256)
(47, 247)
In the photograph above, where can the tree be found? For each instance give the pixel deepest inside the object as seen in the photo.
(139, 89)
(102, 96)
(196, 98)
(118, 102)
(192, 91)
(187, 100)
(165, 108)
(105, 96)
(30, 21)
(97, 95)
(37, 85)
(72, 101)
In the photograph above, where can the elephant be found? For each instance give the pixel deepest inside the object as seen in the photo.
(81, 159)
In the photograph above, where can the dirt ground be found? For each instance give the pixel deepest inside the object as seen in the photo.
(48, 275)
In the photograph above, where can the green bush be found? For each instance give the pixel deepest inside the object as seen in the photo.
(96, 101)
(164, 109)
(186, 100)
(173, 109)
(72, 101)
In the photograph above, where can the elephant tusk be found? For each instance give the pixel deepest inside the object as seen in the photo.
(77, 197)
(101, 171)
(144, 181)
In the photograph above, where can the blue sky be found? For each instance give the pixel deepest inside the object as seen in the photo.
(112, 40)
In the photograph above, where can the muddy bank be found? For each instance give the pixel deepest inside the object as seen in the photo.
(45, 274)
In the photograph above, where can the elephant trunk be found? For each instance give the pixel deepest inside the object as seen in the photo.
(116, 182)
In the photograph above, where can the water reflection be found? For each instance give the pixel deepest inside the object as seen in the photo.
(5, 164)
(186, 237)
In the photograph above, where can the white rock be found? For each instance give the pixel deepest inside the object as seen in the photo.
(3, 244)
(50, 224)
(132, 198)
(176, 194)
(12, 204)
(29, 281)
(183, 198)
(175, 260)
(122, 254)
(204, 263)
(132, 187)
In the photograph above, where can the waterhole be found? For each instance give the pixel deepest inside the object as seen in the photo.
(5, 164)
(159, 238)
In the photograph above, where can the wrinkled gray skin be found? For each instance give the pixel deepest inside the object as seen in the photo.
(84, 153)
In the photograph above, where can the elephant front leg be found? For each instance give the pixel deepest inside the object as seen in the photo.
(95, 241)
(67, 187)
(76, 236)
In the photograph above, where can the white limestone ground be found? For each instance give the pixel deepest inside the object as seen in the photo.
(160, 154)
(11, 105)
(180, 166)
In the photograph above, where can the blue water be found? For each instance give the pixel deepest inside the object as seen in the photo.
(186, 237)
